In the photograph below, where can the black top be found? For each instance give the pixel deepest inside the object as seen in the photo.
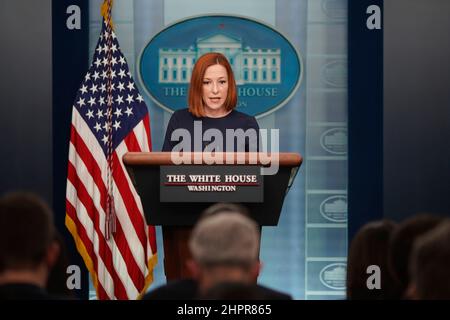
(187, 289)
(234, 120)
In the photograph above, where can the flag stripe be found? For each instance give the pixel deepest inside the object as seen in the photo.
(132, 142)
(129, 202)
(87, 243)
(103, 272)
(81, 241)
(147, 130)
(120, 241)
(86, 155)
(142, 141)
(82, 234)
(91, 210)
(88, 158)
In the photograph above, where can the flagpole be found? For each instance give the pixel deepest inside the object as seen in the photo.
(110, 222)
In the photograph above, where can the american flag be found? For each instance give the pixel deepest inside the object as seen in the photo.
(121, 267)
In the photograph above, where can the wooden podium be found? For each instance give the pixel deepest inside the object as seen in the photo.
(175, 207)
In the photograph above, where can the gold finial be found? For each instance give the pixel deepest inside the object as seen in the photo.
(106, 11)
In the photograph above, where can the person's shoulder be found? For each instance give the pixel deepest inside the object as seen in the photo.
(243, 291)
(272, 294)
(181, 112)
(182, 115)
(241, 115)
(247, 120)
(185, 289)
(25, 291)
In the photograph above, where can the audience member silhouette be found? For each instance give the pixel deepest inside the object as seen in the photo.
(28, 249)
(368, 248)
(224, 245)
(401, 245)
(231, 207)
(430, 265)
(220, 207)
(240, 291)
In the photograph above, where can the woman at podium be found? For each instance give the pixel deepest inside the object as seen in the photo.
(211, 123)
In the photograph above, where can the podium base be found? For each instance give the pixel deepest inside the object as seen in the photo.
(176, 252)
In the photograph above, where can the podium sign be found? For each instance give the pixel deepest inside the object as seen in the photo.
(216, 183)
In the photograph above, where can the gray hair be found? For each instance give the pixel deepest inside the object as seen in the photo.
(225, 238)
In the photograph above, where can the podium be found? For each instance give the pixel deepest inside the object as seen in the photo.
(174, 195)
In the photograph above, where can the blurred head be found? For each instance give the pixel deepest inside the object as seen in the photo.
(27, 234)
(225, 207)
(212, 90)
(401, 245)
(28, 249)
(370, 247)
(430, 265)
(224, 248)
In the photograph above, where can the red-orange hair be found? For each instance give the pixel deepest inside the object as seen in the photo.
(195, 99)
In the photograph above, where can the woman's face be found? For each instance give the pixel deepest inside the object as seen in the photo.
(215, 90)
